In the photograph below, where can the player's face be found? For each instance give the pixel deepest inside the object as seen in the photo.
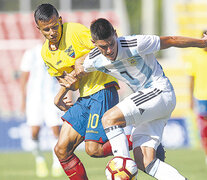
(52, 29)
(108, 47)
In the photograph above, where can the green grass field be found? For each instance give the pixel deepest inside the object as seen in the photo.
(20, 166)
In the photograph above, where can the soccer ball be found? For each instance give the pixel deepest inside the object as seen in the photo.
(121, 168)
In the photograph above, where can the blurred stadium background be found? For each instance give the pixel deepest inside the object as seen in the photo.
(161, 17)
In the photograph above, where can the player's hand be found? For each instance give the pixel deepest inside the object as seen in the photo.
(69, 80)
(205, 39)
(79, 71)
(67, 102)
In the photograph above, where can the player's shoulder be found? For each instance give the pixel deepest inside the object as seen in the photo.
(94, 53)
(128, 41)
(72, 26)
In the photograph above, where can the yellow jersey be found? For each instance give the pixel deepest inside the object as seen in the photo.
(74, 43)
(197, 67)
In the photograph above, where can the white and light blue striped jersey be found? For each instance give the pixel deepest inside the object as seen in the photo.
(135, 63)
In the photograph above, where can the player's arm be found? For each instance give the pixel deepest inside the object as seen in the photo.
(69, 80)
(23, 83)
(79, 69)
(63, 99)
(182, 42)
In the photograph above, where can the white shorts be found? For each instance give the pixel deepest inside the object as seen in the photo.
(148, 111)
(39, 112)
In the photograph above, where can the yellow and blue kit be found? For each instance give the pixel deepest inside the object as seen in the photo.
(97, 90)
(196, 67)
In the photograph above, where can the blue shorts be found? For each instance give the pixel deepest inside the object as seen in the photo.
(201, 107)
(86, 114)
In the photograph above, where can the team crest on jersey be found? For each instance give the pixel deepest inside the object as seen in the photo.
(70, 52)
(132, 61)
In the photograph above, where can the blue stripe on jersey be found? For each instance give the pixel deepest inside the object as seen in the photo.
(124, 73)
(103, 69)
(98, 65)
(143, 67)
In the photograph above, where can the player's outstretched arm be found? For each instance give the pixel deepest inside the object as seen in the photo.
(182, 42)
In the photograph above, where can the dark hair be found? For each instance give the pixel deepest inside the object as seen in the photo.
(44, 12)
(101, 29)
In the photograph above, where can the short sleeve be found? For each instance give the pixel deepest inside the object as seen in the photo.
(148, 44)
(88, 65)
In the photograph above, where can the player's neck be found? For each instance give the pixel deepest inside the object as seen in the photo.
(53, 47)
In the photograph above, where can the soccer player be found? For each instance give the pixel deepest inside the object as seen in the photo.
(64, 44)
(131, 59)
(98, 91)
(197, 66)
(38, 91)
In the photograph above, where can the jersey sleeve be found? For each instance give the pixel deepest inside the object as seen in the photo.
(26, 62)
(148, 44)
(88, 65)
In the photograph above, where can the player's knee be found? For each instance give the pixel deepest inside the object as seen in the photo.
(57, 151)
(109, 119)
(106, 121)
(61, 152)
(113, 117)
(93, 149)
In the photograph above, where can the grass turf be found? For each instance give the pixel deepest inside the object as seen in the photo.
(21, 166)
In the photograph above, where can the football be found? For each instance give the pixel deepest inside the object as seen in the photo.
(121, 168)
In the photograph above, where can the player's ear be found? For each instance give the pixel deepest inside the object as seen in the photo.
(60, 20)
(115, 33)
(38, 27)
(93, 42)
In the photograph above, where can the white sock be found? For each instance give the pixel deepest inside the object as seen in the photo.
(118, 141)
(163, 171)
